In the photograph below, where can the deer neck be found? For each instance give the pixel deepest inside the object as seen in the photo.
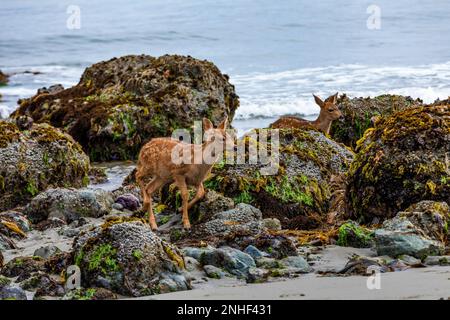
(323, 123)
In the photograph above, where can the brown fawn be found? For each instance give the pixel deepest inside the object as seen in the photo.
(328, 112)
(156, 160)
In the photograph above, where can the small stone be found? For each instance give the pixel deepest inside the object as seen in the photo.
(12, 293)
(254, 252)
(410, 261)
(214, 272)
(268, 263)
(191, 264)
(47, 251)
(117, 206)
(272, 224)
(437, 261)
(296, 263)
(257, 275)
(128, 202)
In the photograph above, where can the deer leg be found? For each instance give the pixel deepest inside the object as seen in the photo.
(200, 194)
(151, 187)
(181, 184)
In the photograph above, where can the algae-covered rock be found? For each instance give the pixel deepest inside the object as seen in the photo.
(36, 159)
(128, 258)
(69, 204)
(298, 193)
(120, 104)
(359, 114)
(401, 161)
(353, 235)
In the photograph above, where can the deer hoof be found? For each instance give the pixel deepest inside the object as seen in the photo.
(186, 225)
(154, 227)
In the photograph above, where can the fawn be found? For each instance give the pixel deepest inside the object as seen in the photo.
(156, 160)
(328, 112)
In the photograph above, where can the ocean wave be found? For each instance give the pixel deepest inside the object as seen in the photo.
(290, 92)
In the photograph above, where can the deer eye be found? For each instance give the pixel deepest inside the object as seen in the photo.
(330, 110)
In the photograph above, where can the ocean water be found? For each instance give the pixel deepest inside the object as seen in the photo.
(277, 53)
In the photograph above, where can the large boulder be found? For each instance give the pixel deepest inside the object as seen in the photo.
(401, 161)
(128, 258)
(421, 230)
(37, 159)
(69, 204)
(360, 114)
(298, 194)
(120, 104)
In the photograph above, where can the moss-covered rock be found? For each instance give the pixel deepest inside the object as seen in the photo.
(403, 160)
(36, 159)
(298, 194)
(360, 113)
(128, 258)
(352, 235)
(120, 104)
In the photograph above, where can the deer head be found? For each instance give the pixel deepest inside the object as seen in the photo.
(216, 138)
(328, 108)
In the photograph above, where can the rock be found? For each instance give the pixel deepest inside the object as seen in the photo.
(53, 89)
(257, 275)
(242, 220)
(298, 194)
(120, 104)
(3, 78)
(431, 217)
(254, 252)
(396, 243)
(128, 201)
(6, 243)
(268, 263)
(410, 261)
(418, 231)
(277, 246)
(14, 225)
(437, 261)
(214, 272)
(90, 294)
(23, 267)
(2, 259)
(272, 224)
(50, 223)
(401, 161)
(128, 258)
(362, 265)
(98, 175)
(234, 261)
(353, 235)
(191, 264)
(47, 251)
(296, 263)
(196, 253)
(12, 293)
(212, 203)
(358, 114)
(117, 206)
(34, 160)
(43, 285)
(24, 123)
(69, 204)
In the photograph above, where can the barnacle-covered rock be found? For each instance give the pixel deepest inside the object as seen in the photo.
(298, 194)
(69, 204)
(128, 258)
(361, 113)
(36, 159)
(403, 160)
(120, 104)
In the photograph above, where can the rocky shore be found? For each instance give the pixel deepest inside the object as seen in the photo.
(373, 195)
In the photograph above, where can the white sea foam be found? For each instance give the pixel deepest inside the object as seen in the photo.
(289, 92)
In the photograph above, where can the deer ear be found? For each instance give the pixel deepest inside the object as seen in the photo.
(318, 100)
(223, 124)
(333, 98)
(207, 125)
